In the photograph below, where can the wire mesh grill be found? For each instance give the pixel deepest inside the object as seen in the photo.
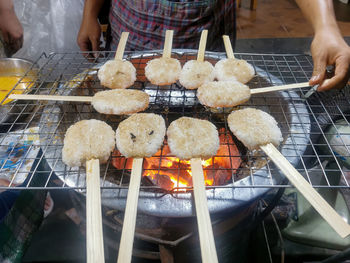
(316, 130)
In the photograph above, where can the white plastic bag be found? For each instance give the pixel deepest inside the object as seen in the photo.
(49, 26)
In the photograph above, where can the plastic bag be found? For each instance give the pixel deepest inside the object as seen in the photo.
(49, 26)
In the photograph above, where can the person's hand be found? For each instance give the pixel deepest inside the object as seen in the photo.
(12, 31)
(89, 36)
(329, 48)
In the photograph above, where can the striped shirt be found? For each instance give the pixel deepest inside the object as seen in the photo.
(147, 21)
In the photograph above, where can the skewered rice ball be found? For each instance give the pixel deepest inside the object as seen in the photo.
(254, 128)
(195, 73)
(140, 135)
(234, 69)
(120, 101)
(86, 140)
(163, 71)
(193, 138)
(223, 93)
(117, 74)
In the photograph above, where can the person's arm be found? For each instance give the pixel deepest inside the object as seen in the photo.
(90, 31)
(328, 46)
(10, 27)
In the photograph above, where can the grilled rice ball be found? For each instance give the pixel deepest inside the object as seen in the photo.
(140, 135)
(223, 93)
(193, 138)
(234, 69)
(86, 140)
(117, 74)
(195, 73)
(163, 71)
(120, 101)
(254, 127)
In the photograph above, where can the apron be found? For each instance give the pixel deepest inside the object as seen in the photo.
(147, 21)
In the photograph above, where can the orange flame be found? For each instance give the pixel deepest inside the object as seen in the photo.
(169, 172)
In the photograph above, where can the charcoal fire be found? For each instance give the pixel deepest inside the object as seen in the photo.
(169, 172)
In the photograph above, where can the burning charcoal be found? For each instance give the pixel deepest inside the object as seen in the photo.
(222, 176)
(162, 180)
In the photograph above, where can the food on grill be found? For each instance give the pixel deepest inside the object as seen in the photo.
(195, 73)
(254, 128)
(90, 142)
(86, 140)
(234, 69)
(257, 129)
(117, 74)
(140, 135)
(163, 71)
(193, 138)
(190, 138)
(223, 93)
(120, 101)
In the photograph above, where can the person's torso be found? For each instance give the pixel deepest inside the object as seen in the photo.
(147, 21)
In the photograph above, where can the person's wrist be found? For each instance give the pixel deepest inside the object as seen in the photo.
(328, 26)
(91, 14)
(89, 18)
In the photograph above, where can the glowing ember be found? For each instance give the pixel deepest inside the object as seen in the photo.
(170, 172)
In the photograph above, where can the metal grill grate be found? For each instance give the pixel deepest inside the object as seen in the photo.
(303, 123)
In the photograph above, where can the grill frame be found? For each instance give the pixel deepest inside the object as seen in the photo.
(57, 73)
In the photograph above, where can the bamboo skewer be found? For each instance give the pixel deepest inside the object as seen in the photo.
(168, 43)
(127, 237)
(50, 97)
(206, 236)
(315, 199)
(281, 87)
(89, 98)
(228, 46)
(202, 44)
(94, 232)
(121, 46)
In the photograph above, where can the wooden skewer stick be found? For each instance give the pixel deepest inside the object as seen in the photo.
(89, 98)
(50, 97)
(206, 236)
(277, 88)
(121, 46)
(228, 46)
(127, 238)
(315, 199)
(202, 44)
(168, 43)
(94, 233)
